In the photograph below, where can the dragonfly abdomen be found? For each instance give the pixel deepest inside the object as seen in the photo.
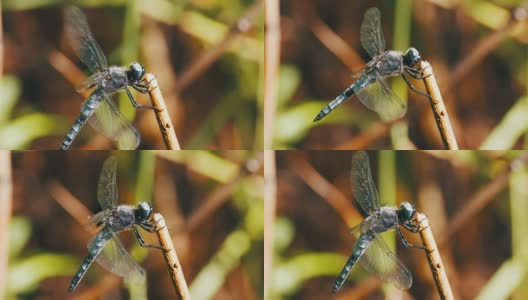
(349, 92)
(80, 273)
(86, 111)
(359, 248)
(96, 246)
(334, 103)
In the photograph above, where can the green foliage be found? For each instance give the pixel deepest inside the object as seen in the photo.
(27, 271)
(512, 126)
(18, 132)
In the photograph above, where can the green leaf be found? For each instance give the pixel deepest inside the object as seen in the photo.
(507, 278)
(211, 278)
(25, 276)
(19, 235)
(512, 126)
(10, 88)
(292, 125)
(290, 275)
(289, 80)
(21, 132)
(283, 234)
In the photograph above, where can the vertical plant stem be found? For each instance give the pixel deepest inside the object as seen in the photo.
(6, 194)
(129, 49)
(519, 221)
(173, 263)
(387, 183)
(434, 259)
(271, 69)
(439, 109)
(162, 115)
(270, 194)
(402, 40)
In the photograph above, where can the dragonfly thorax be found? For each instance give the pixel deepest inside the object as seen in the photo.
(143, 212)
(135, 72)
(411, 57)
(406, 212)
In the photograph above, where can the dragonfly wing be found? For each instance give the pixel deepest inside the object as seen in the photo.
(354, 231)
(107, 186)
(379, 260)
(108, 120)
(371, 35)
(117, 260)
(90, 82)
(96, 220)
(379, 97)
(82, 41)
(362, 184)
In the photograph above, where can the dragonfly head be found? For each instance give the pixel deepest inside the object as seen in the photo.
(135, 72)
(406, 211)
(411, 57)
(143, 212)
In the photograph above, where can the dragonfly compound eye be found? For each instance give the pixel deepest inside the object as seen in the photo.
(135, 72)
(406, 211)
(143, 211)
(411, 57)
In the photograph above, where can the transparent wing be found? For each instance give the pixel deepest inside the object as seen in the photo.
(90, 82)
(109, 121)
(354, 231)
(363, 187)
(371, 35)
(107, 186)
(379, 97)
(96, 220)
(117, 260)
(380, 261)
(82, 41)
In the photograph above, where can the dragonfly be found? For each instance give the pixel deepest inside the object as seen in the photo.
(98, 109)
(105, 247)
(372, 88)
(370, 250)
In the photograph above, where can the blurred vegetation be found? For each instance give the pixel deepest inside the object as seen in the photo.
(486, 101)
(216, 107)
(215, 222)
(476, 203)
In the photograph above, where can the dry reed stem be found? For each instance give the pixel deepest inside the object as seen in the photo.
(270, 203)
(242, 25)
(433, 257)
(162, 115)
(439, 109)
(271, 69)
(212, 203)
(371, 135)
(483, 48)
(73, 206)
(6, 195)
(173, 263)
(328, 192)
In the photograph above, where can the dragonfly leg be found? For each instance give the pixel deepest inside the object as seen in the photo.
(412, 227)
(150, 227)
(416, 73)
(142, 88)
(134, 103)
(413, 88)
(407, 244)
(142, 242)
